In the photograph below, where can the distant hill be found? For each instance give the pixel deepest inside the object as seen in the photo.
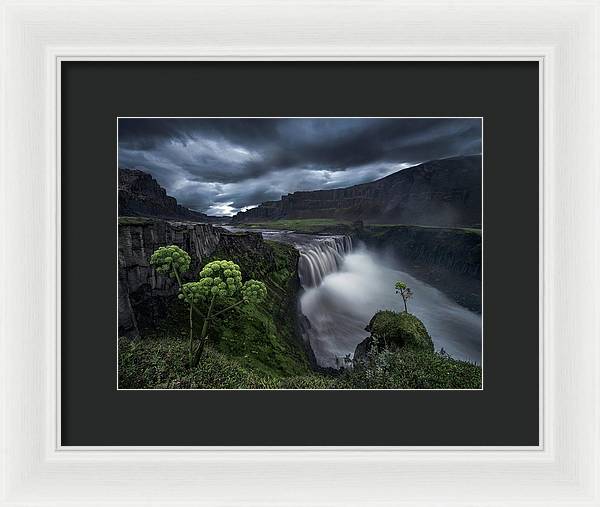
(444, 192)
(141, 195)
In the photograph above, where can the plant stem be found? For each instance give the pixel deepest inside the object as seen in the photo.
(191, 337)
(228, 308)
(181, 286)
(177, 276)
(204, 332)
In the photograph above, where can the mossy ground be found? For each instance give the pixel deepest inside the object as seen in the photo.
(155, 363)
(263, 337)
(330, 225)
(161, 363)
(307, 226)
(409, 368)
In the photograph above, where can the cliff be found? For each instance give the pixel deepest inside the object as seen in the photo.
(449, 259)
(141, 195)
(142, 294)
(443, 192)
(267, 339)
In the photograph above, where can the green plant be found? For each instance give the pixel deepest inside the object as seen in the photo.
(405, 292)
(219, 284)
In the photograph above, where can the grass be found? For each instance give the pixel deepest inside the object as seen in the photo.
(324, 225)
(308, 225)
(410, 368)
(160, 362)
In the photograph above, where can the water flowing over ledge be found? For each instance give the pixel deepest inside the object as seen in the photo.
(321, 257)
(345, 284)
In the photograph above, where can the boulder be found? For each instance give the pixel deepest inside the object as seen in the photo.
(394, 330)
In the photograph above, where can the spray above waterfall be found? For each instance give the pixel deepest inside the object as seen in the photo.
(339, 307)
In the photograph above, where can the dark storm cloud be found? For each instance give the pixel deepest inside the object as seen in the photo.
(223, 165)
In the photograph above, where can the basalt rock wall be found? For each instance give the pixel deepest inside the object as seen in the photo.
(142, 292)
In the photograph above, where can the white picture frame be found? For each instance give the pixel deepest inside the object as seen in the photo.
(563, 36)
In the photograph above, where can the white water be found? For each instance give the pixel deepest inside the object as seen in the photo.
(321, 257)
(339, 309)
(345, 287)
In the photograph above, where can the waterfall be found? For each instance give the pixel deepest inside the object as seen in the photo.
(345, 285)
(321, 257)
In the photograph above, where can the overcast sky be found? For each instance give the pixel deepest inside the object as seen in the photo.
(221, 166)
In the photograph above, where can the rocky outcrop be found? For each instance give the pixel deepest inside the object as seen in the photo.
(141, 195)
(394, 330)
(443, 192)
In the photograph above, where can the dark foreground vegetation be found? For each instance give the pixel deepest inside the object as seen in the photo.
(155, 363)
(398, 354)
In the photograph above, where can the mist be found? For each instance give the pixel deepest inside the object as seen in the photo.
(342, 305)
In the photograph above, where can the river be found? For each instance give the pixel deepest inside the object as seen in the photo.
(345, 284)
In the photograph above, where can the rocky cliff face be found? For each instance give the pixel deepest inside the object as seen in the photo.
(142, 294)
(141, 195)
(146, 299)
(441, 193)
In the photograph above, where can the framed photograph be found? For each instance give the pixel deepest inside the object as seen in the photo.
(300, 254)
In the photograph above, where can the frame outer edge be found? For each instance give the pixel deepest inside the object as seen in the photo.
(34, 471)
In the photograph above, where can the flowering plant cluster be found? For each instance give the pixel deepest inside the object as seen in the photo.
(219, 283)
(170, 260)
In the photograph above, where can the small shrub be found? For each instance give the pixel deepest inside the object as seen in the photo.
(405, 293)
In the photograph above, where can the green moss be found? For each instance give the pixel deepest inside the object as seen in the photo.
(155, 363)
(251, 336)
(264, 337)
(400, 330)
(313, 381)
(307, 226)
(410, 368)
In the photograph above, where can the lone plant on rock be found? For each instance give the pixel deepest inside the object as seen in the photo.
(219, 284)
(405, 292)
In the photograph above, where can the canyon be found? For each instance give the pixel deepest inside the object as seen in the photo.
(364, 244)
